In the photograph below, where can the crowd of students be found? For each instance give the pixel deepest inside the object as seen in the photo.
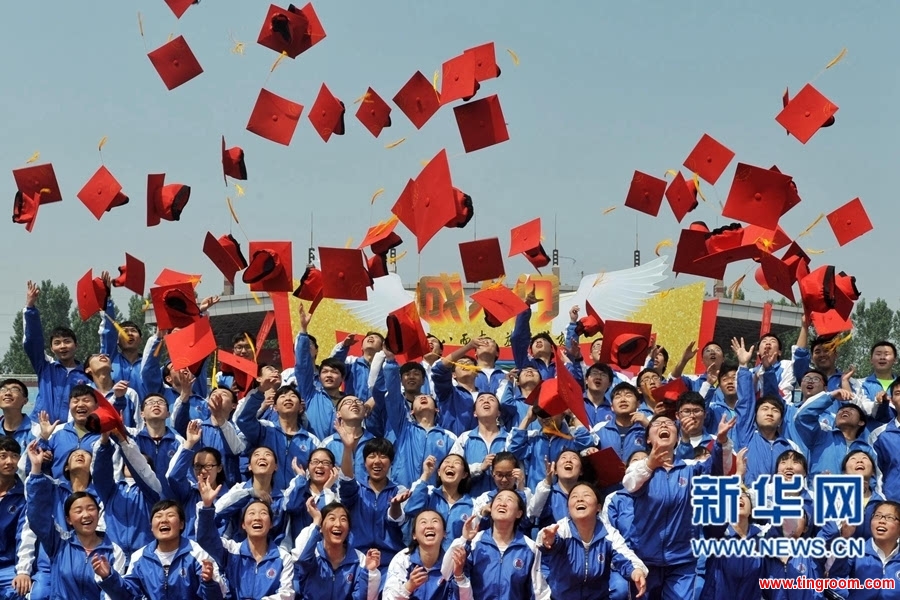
(360, 477)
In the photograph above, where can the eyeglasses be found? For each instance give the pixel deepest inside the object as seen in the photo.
(662, 423)
(320, 463)
(884, 517)
(350, 400)
(155, 402)
(690, 412)
(10, 388)
(812, 379)
(506, 475)
(650, 378)
(209, 467)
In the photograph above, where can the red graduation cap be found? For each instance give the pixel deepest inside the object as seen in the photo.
(830, 322)
(464, 210)
(430, 202)
(225, 252)
(165, 201)
(405, 334)
(590, 324)
(779, 276)
(274, 118)
(270, 268)
(242, 369)
(327, 114)
(849, 221)
(500, 304)
(344, 275)
(485, 61)
(682, 199)
(793, 198)
(690, 249)
(25, 209)
(798, 260)
(757, 196)
(38, 181)
(311, 288)
(482, 260)
(168, 277)
(767, 239)
(418, 99)
(668, 394)
(102, 193)
(179, 7)
(559, 394)
(725, 245)
(381, 237)
(233, 163)
(806, 113)
(708, 159)
(191, 344)
(374, 113)
(91, 295)
(292, 30)
(458, 78)
(645, 193)
(526, 239)
(609, 469)
(132, 275)
(174, 305)
(376, 266)
(481, 123)
(625, 344)
(105, 417)
(824, 289)
(175, 63)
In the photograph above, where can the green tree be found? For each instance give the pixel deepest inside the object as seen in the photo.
(54, 304)
(871, 323)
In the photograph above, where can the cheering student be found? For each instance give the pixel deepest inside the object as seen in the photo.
(123, 346)
(190, 465)
(172, 566)
(535, 351)
(231, 506)
(625, 431)
(316, 481)
(328, 566)
(857, 462)
(449, 498)
(481, 444)
(61, 440)
(415, 572)
(14, 423)
(881, 560)
(71, 573)
(256, 567)
(550, 502)
(12, 518)
(579, 551)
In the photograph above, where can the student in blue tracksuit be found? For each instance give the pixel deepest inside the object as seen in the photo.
(413, 426)
(625, 431)
(513, 403)
(454, 389)
(579, 551)
(326, 562)
(55, 377)
(217, 431)
(759, 422)
(480, 444)
(191, 464)
(792, 567)
(317, 480)
(488, 378)
(535, 447)
(123, 348)
(170, 383)
(827, 448)
(13, 422)
(881, 560)
(691, 412)
(172, 566)
(883, 357)
(777, 377)
(661, 487)
(256, 567)
(320, 400)
(501, 561)
(127, 499)
(157, 441)
(550, 502)
(373, 501)
(61, 440)
(122, 397)
(537, 351)
(350, 412)
(415, 572)
(886, 442)
(618, 511)
(71, 574)
(242, 347)
(449, 497)
(285, 437)
(857, 462)
(598, 383)
(12, 517)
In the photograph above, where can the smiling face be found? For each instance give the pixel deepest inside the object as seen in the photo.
(336, 526)
(506, 507)
(206, 467)
(166, 525)
(98, 364)
(257, 520)
(812, 384)
(83, 516)
(155, 408)
(428, 530)
(728, 383)
(568, 465)
(288, 404)
(320, 465)
(9, 462)
(452, 470)
(80, 407)
(63, 348)
(350, 408)
(823, 358)
(848, 416)
(789, 466)
(412, 380)
(860, 463)
(583, 503)
(262, 462)
(78, 460)
(662, 433)
(378, 466)
(886, 524)
(12, 397)
(529, 376)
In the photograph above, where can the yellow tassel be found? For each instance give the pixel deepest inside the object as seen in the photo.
(255, 297)
(251, 344)
(277, 61)
(33, 158)
(239, 189)
(231, 210)
(396, 258)
(141, 24)
(102, 143)
(812, 251)
(811, 226)
(363, 98)
(515, 58)
(671, 172)
(697, 187)
(377, 193)
(215, 357)
(434, 79)
(837, 342)
(171, 37)
(395, 144)
(609, 210)
(238, 47)
(146, 306)
(600, 277)
(735, 287)
(837, 58)
(663, 244)
(466, 367)
(349, 242)
(118, 327)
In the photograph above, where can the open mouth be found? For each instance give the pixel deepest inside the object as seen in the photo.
(377, 469)
(664, 434)
(881, 529)
(430, 534)
(449, 473)
(336, 531)
(165, 528)
(87, 521)
(256, 526)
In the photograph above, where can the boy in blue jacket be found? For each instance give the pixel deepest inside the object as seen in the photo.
(12, 517)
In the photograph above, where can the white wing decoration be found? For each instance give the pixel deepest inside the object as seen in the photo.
(615, 296)
(387, 296)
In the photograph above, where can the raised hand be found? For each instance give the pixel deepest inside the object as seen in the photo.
(740, 468)
(314, 512)
(401, 498)
(417, 577)
(46, 426)
(207, 571)
(659, 457)
(689, 353)
(305, 318)
(208, 303)
(725, 425)
(373, 559)
(36, 456)
(428, 467)
(208, 493)
(548, 535)
(842, 394)
(532, 298)
(459, 561)
(101, 567)
(31, 294)
(194, 433)
(120, 388)
(297, 467)
(573, 313)
(470, 528)
(740, 351)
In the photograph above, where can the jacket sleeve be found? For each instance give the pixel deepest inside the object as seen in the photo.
(39, 497)
(304, 370)
(109, 336)
(208, 534)
(246, 421)
(304, 552)
(744, 407)
(102, 474)
(636, 476)
(520, 338)
(144, 476)
(151, 370)
(116, 588)
(806, 421)
(33, 339)
(177, 475)
(394, 400)
(624, 560)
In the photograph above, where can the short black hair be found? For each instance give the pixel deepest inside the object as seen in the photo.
(78, 496)
(770, 334)
(125, 324)
(627, 387)
(17, 382)
(819, 341)
(413, 366)
(82, 390)
(240, 336)
(63, 332)
(884, 343)
(9, 444)
(542, 336)
(334, 363)
(599, 366)
(379, 446)
(727, 368)
(690, 397)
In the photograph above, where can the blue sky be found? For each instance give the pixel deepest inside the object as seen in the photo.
(603, 88)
